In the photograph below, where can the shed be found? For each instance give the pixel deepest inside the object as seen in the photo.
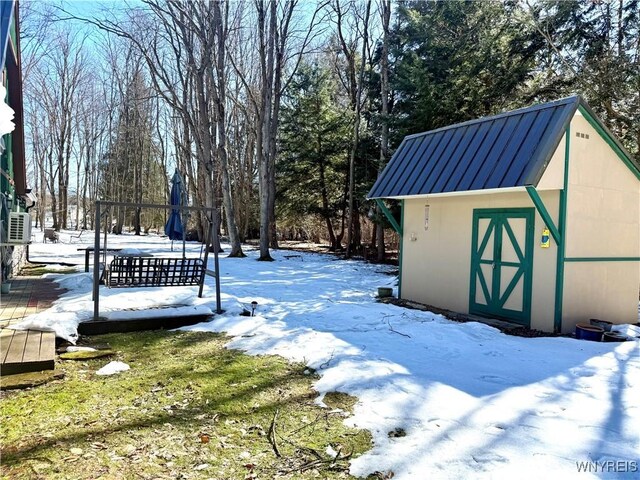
(531, 216)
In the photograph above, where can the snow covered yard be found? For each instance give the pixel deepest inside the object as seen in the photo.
(442, 399)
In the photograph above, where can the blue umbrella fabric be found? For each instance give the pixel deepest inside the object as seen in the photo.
(174, 229)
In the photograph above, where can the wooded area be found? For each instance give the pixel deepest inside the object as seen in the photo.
(282, 113)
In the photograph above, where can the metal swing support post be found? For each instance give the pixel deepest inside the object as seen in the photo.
(210, 238)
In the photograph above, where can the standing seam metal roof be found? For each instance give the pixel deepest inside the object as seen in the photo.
(507, 150)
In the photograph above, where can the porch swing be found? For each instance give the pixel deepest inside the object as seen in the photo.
(144, 270)
(150, 271)
(147, 271)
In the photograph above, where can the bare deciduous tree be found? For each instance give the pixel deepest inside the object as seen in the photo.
(355, 85)
(385, 15)
(169, 36)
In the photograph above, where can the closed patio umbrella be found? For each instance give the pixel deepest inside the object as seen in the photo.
(174, 229)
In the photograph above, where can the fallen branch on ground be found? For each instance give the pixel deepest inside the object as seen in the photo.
(271, 434)
(326, 364)
(319, 462)
(394, 330)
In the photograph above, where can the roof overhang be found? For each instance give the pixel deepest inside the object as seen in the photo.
(488, 191)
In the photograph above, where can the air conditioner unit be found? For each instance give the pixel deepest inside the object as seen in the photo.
(19, 228)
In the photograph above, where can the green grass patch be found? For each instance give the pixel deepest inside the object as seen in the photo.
(29, 379)
(86, 355)
(340, 400)
(188, 408)
(34, 270)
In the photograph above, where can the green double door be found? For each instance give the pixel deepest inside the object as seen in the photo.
(502, 263)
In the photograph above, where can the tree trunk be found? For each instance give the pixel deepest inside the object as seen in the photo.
(220, 99)
(352, 220)
(325, 203)
(384, 134)
(267, 67)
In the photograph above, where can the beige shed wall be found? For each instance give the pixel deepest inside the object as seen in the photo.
(553, 176)
(436, 263)
(603, 220)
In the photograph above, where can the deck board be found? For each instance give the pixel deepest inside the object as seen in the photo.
(32, 346)
(16, 347)
(5, 341)
(26, 351)
(47, 346)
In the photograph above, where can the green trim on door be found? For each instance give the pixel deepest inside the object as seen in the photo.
(494, 296)
(398, 229)
(544, 213)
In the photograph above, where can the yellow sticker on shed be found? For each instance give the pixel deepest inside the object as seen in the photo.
(544, 240)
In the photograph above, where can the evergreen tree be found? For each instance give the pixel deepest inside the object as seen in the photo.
(593, 48)
(456, 61)
(131, 169)
(314, 139)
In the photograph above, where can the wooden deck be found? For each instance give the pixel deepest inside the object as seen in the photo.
(24, 351)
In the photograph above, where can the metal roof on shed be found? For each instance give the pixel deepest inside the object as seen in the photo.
(507, 150)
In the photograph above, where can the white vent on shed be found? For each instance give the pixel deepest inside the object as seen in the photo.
(19, 228)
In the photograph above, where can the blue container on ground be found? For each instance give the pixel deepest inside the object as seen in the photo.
(589, 332)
